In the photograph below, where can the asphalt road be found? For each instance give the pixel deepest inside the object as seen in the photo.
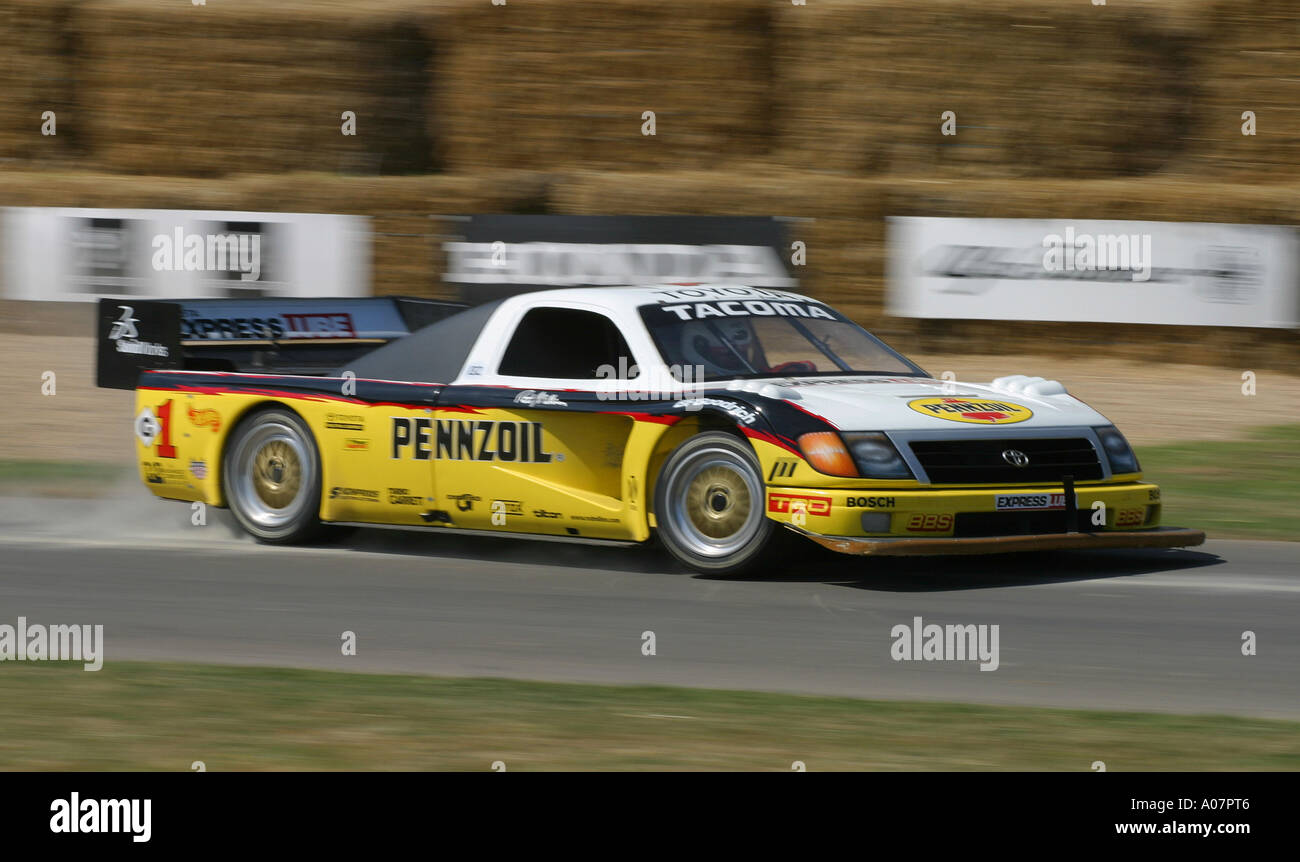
(1142, 630)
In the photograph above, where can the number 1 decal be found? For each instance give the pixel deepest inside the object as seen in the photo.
(165, 447)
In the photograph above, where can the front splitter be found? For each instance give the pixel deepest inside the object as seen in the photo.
(1159, 537)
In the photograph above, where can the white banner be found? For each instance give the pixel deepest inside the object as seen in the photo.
(69, 254)
(1093, 270)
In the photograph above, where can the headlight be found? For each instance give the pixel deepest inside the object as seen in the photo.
(865, 454)
(827, 453)
(1119, 453)
(875, 456)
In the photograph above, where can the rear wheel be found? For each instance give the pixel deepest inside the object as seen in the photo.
(709, 505)
(272, 479)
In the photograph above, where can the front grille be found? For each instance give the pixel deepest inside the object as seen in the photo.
(980, 462)
(972, 524)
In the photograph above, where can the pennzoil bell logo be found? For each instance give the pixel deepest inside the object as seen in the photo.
(971, 410)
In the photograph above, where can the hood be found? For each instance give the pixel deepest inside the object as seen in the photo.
(885, 403)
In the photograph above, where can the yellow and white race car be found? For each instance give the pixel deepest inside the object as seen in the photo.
(721, 418)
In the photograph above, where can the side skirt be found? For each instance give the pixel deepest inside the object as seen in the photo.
(463, 531)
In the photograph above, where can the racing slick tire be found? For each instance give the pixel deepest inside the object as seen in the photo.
(710, 503)
(271, 477)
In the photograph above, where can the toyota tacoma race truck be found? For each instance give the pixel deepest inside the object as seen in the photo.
(723, 419)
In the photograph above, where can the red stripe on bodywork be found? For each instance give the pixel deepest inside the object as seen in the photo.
(773, 439)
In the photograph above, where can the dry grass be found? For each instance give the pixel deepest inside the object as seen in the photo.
(164, 717)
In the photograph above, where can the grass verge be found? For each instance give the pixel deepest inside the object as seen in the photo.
(149, 716)
(58, 478)
(1235, 489)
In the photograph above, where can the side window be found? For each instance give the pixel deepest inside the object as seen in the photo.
(566, 343)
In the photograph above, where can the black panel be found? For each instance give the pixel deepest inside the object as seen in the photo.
(975, 524)
(977, 462)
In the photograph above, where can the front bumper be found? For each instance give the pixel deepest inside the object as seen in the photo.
(965, 512)
(1160, 537)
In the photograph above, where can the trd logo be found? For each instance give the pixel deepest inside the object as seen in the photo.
(790, 503)
(469, 440)
(870, 502)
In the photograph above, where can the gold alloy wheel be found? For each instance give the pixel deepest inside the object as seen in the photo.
(718, 502)
(271, 476)
(277, 473)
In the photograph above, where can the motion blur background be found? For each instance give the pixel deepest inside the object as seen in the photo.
(827, 111)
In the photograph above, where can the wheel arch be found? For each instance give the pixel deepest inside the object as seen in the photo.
(709, 419)
(240, 417)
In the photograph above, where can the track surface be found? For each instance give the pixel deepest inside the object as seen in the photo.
(1148, 630)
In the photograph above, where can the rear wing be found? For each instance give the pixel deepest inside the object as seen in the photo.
(272, 335)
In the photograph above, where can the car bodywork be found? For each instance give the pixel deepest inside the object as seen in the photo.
(446, 428)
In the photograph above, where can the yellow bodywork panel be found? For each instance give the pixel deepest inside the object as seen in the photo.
(514, 470)
(549, 472)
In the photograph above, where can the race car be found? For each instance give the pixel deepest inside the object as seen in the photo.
(725, 420)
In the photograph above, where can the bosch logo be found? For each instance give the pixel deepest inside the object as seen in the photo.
(1015, 457)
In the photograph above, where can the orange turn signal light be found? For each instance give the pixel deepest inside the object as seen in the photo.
(827, 454)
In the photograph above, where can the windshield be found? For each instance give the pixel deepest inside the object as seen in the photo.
(726, 340)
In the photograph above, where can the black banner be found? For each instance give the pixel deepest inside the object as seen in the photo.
(337, 810)
(501, 255)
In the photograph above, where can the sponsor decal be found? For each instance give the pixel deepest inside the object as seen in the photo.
(475, 370)
(1023, 502)
(147, 427)
(858, 381)
(597, 518)
(125, 336)
(870, 502)
(533, 398)
(1130, 517)
(542, 513)
(788, 503)
(345, 421)
(205, 418)
(508, 507)
(157, 473)
(731, 408)
(929, 523)
(1153, 495)
(199, 469)
(403, 497)
(971, 410)
(783, 468)
(470, 440)
(338, 324)
(748, 308)
(464, 502)
(362, 494)
(356, 444)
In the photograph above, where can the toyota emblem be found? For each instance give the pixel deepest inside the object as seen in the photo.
(1015, 457)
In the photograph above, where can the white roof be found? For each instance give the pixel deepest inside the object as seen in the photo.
(633, 296)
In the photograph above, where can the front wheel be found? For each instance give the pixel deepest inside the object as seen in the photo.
(709, 505)
(271, 477)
